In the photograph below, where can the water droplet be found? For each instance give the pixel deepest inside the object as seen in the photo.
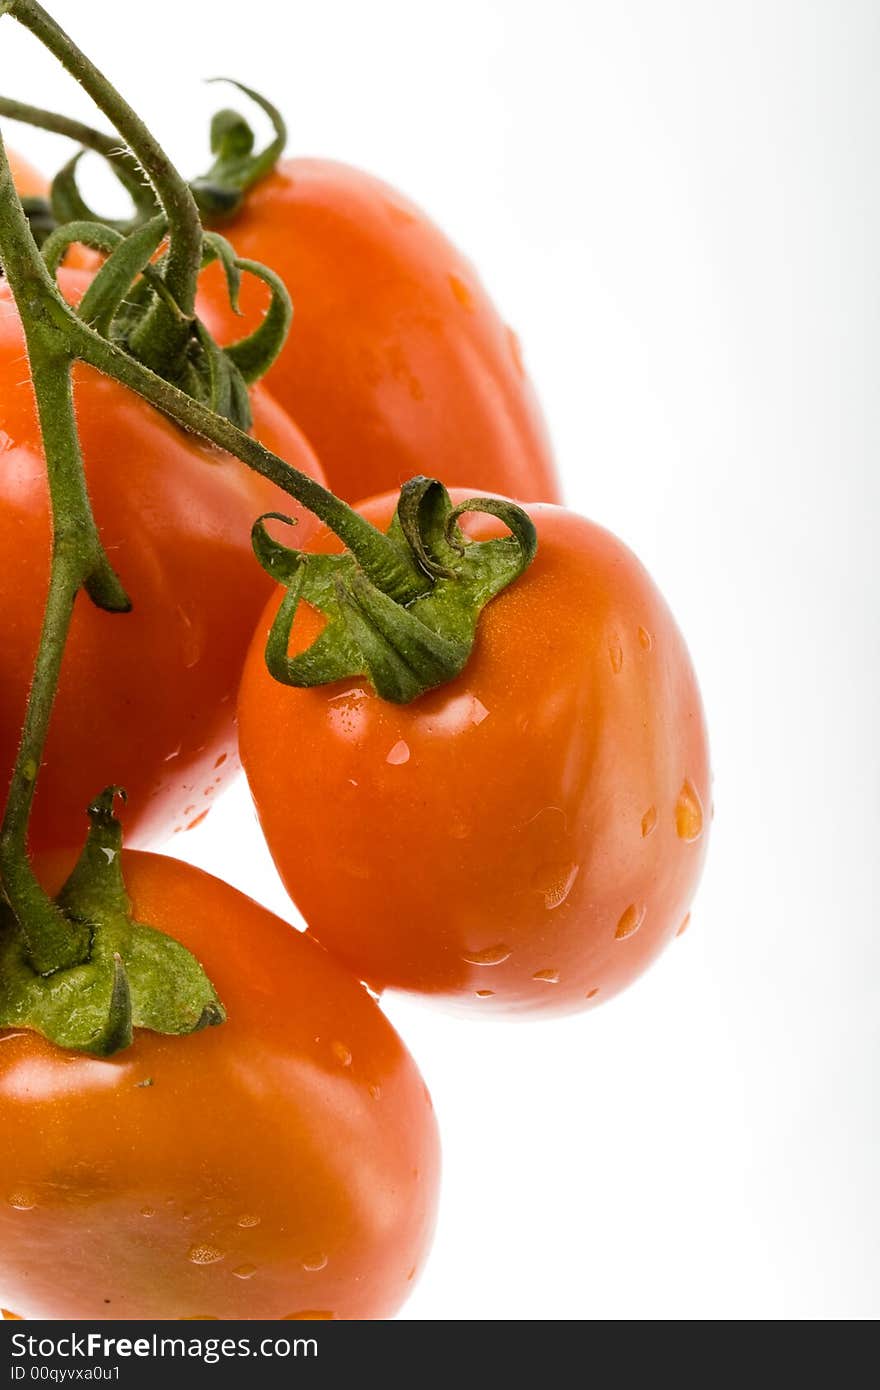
(245, 1271)
(406, 217)
(688, 813)
(591, 993)
(399, 754)
(22, 1201)
(491, 955)
(630, 922)
(649, 821)
(646, 641)
(478, 711)
(347, 712)
(341, 1053)
(204, 1255)
(248, 1220)
(198, 820)
(549, 977)
(516, 352)
(615, 651)
(313, 1263)
(485, 993)
(411, 1275)
(169, 757)
(188, 810)
(461, 292)
(148, 1211)
(221, 760)
(684, 926)
(375, 1091)
(554, 882)
(192, 639)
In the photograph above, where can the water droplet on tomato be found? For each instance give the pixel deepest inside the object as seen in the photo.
(485, 993)
(248, 1220)
(204, 1255)
(341, 1053)
(688, 813)
(198, 820)
(615, 651)
(22, 1201)
(649, 821)
(684, 926)
(245, 1271)
(461, 291)
(169, 757)
(148, 1211)
(221, 760)
(192, 639)
(490, 955)
(591, 993)
(347, 712)
(548, 977)
(516, 353)
(312, 1263)
(375, 1091)
(555, 881)
(399, 754)
(629, 922)
(646, 641)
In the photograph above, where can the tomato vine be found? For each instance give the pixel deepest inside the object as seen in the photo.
(402, 605)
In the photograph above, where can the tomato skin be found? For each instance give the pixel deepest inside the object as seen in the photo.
(397, 362)
(283, 1163)
(146, 699)
(513, 841)
(29, 182)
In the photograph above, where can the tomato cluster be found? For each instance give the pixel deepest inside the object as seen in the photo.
(523, 839)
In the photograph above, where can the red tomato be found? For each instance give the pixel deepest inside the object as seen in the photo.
(28, 181)
(397, 362)
(526, 838)
(146, 699)
(282, 1165)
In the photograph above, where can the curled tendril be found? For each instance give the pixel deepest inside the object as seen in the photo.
(219, 193)
(131, 276)
(254, 354)
(403, 648)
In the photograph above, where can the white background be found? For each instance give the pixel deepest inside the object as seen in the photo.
(676, 204)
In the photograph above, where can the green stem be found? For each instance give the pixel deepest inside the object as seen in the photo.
(78, 560)
(108, 146)
(161, 331)
(385, 563)
(52, 941)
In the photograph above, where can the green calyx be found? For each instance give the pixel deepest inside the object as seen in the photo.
(121, 298)
(237, 167)
(139, 310)
(131, 976)
(413, 630)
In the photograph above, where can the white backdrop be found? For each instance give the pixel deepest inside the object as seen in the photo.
(676, 204)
